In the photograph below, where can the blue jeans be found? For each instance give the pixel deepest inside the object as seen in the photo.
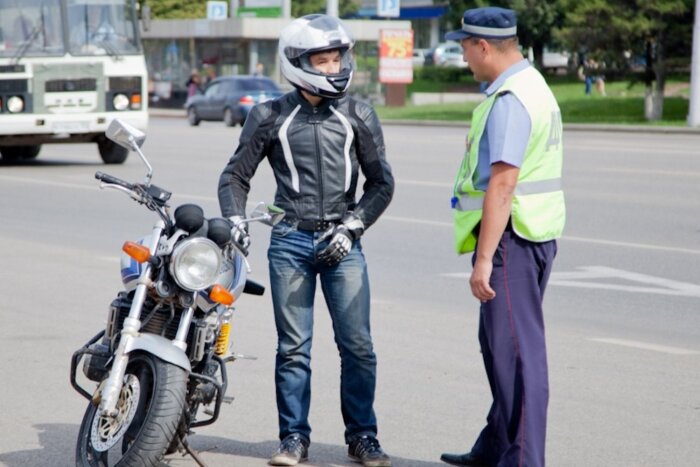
(293, 271)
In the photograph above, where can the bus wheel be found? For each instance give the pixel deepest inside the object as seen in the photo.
(14, 153)
(111, 152)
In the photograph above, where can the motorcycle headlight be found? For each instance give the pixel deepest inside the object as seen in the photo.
(195, 263)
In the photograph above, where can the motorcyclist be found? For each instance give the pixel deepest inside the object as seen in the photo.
(317, 140)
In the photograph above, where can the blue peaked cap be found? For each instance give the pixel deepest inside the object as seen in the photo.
(487, 22)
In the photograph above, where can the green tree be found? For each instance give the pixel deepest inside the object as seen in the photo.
(176, 9)
(613, 30)
(536, 20)
(307, 7)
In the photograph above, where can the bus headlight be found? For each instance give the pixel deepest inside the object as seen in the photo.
(120, 102)
(195, 263)
(15, 104)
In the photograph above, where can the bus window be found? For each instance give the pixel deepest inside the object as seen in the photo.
(33, 29)
(96, 26)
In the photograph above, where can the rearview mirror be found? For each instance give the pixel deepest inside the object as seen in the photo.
(268, 214)
(125, 135)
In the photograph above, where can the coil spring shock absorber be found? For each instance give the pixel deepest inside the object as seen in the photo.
(222, 340)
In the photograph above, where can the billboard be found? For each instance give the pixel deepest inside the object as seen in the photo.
(396, 56)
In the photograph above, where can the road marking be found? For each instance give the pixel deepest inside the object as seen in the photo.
(411, 220)
(424, 183)
(46, 182)
(641, 246)
(645, 346)
(671, 173)
(602, 277)
(587, 276)
(109, 259)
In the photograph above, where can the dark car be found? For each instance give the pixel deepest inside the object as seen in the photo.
(230, 98)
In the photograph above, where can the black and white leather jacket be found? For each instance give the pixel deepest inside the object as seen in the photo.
(316, 154)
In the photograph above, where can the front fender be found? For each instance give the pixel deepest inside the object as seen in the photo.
(160, 347)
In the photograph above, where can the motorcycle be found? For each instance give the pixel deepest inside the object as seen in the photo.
(160, 362)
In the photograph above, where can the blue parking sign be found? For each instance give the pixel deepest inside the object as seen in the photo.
(217, 10)
(389, 8)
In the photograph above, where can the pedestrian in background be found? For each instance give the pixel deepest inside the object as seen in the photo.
(194, 84)
(508, 210)
(210, 74)
(317, 141)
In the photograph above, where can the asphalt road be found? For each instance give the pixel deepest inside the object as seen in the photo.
(622, 309)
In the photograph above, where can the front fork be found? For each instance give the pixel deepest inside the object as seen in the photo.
(132, 324)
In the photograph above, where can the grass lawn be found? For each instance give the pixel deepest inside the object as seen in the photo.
(623, 105)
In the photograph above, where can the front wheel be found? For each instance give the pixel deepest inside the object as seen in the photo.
(149, 407)
(192, 116)
(111, 152)
(15, 153)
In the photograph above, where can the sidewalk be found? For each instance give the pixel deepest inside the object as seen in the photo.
(180, 113)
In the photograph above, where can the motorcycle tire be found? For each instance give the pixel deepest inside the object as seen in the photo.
(144, 433)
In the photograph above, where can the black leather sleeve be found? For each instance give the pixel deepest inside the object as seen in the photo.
(379, 182)
(234, 182)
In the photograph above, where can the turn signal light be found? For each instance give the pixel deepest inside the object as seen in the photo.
(136, 101)
(137, 251)
(220, 294)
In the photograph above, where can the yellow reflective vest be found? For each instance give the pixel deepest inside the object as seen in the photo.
(538, 212)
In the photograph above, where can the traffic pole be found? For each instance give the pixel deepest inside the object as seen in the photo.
(694, 105)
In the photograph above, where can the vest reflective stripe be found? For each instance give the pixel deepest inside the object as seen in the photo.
(538, 211)
(538, 186)
(471, 203)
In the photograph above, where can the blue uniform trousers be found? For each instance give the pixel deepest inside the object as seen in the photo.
(512, 338)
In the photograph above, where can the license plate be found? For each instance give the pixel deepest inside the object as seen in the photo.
(70, 127)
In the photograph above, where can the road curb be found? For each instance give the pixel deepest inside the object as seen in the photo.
(621, 128)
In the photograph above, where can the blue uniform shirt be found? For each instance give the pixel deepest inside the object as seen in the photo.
(507, 130)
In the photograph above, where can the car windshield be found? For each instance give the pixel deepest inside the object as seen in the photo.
(30, 28)
(259, 84)
(97, 27)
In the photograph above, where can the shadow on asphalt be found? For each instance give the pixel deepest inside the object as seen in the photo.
(320, 454)
(58, 440)
(57, 449)
(45, 163)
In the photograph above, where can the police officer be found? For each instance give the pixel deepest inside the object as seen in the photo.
(317, 140)
(509, 209)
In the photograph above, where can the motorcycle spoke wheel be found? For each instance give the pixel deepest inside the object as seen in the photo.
(149, 407)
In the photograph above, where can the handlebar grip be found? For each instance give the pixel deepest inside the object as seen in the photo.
(106, 178)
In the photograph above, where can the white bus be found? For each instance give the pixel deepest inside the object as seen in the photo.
(67, 68)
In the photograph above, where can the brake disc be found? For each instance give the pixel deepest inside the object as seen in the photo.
(107, 431)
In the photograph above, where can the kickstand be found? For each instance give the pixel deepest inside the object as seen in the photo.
(185, 444)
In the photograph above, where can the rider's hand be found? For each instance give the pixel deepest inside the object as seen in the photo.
(239, 234)
(342, 237)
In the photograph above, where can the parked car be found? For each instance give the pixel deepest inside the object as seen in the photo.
(230, 98)
(446, 54)
(418, 57)
(557, 61)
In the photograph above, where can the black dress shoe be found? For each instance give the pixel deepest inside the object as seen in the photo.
(467, 459)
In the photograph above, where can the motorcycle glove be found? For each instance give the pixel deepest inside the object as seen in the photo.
(239, 234)
(342, 236)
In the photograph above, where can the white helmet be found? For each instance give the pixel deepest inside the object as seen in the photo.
(312, 34)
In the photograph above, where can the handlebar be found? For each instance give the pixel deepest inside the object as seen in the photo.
(106, 178)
